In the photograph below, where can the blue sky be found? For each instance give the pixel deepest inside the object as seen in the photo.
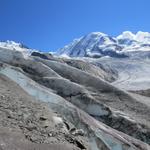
(50, 24)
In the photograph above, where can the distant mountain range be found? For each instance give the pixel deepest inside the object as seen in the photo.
(97, 44)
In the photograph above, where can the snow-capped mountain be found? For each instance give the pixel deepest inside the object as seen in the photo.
(97, 44)
(12, 44)
(12, 47)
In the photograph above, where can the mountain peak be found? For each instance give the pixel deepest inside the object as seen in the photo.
(98, 34)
